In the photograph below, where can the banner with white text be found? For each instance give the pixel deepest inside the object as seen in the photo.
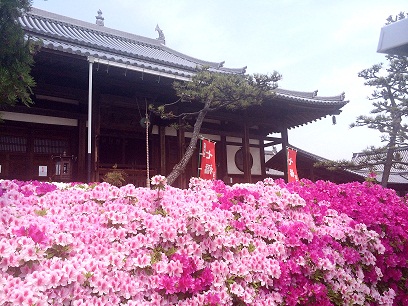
(292, 170)
(207, 160)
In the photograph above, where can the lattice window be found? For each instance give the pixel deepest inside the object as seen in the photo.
(50, 146)
(13, 144)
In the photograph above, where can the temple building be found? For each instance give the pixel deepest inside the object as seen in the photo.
(90, 107)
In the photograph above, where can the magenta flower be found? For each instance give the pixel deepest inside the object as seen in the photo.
(21, 232)
(212, 299)
(36, 234)
(33, 232)
(168, 284)
(239, 225)
(185, 283)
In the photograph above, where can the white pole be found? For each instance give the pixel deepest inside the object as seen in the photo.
(91, 61)
(147, 151)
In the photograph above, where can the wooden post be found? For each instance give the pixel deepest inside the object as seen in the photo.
(182, 150)
(96, 130)
(247, 154)
(262, 156)
(81, 161)
(162, 135)
(222, 159)
(284, 134)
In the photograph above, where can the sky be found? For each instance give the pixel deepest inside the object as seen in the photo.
(314, 44)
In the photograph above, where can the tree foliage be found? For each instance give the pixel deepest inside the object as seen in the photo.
(388, 116)
(210, 91)
(16, 54)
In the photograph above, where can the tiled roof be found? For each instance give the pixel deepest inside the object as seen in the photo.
(306, 160)
(309, 97)
(398, 173)
(114, 47)
(309, 155)
(82, 38)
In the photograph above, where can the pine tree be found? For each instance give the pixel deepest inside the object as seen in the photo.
(390, 109)
(209, 92)
(16, 54)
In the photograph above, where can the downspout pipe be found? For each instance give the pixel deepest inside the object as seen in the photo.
(89, 155)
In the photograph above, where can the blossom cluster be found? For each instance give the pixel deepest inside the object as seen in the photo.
(210, 244)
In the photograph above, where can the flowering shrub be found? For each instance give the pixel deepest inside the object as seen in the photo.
(212, 244)
(382, 211)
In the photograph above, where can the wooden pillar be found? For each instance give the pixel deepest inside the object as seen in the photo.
(312, 174)
(96, 131)
(285, 143)
(181, 151)
(222, 158)
(262, 156)
(247, 154)
(81, 154)
(162, 141)
(30, 157)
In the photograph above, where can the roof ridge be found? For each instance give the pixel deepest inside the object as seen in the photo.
(316, 157)
(90, 26)
(305, 96)
(122, 35)
(338, 97)
(397, 149)
(216, 65)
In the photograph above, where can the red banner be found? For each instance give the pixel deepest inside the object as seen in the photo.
(207, 165)
(292, 171)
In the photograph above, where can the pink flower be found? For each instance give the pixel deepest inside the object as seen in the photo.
(174, 268)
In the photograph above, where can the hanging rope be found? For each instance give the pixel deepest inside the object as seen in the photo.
(147, 149)
(144, 122)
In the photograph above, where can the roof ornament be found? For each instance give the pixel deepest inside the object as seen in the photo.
(161, 34)
(99, 19)
(220, 65)
(315, 93)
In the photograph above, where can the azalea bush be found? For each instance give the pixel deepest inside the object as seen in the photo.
(381, 211)
(249, 244)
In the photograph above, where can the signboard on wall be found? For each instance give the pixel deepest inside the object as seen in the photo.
(42, 170)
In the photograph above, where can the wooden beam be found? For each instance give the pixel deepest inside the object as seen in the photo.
(273, 139)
